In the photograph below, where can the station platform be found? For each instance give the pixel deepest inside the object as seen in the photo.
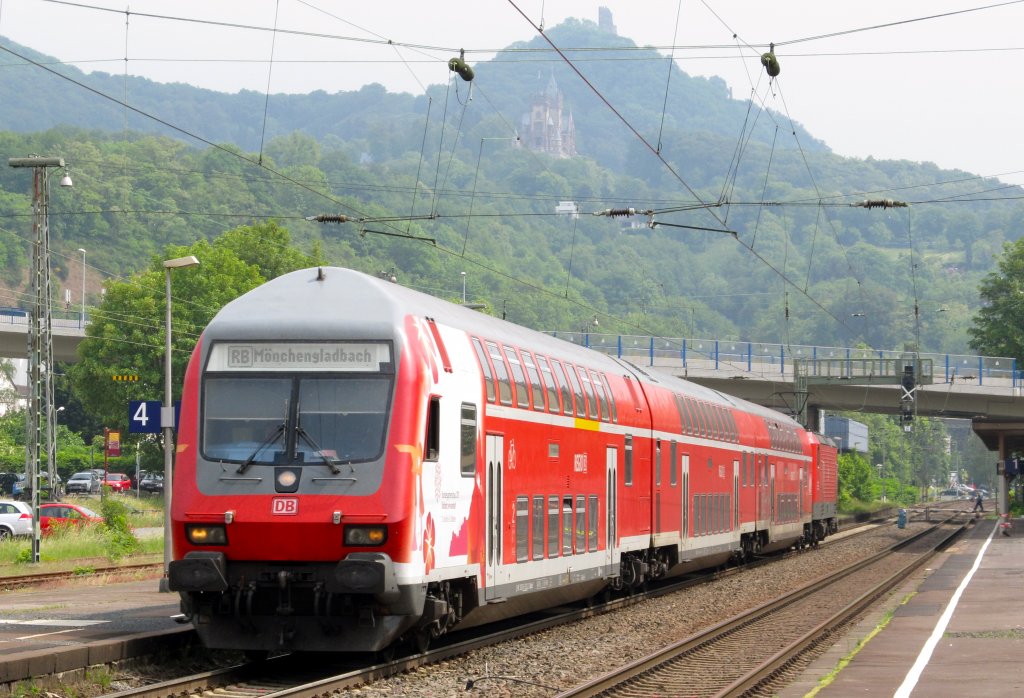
(955, 629)
(68, 628)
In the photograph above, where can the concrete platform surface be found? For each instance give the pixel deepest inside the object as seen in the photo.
(70, 627)
(956, 629)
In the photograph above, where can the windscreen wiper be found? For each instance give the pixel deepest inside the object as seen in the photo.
(259, 449)
(331, 463)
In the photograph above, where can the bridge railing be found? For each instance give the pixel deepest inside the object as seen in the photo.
(774, 360)
(58, 318)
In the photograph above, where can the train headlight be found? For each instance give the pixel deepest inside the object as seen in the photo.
(286, 479)
(365, 535)
(206, 534)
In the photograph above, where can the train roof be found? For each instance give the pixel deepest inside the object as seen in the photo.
(330, 303)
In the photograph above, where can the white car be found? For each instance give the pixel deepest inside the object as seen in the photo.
(15, 519)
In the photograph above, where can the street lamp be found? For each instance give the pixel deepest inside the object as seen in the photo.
(463, 286)
(81, 321)
(40, 339)
(167, 413)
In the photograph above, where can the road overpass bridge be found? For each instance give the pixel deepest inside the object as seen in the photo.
(67, 334)
(987, 390)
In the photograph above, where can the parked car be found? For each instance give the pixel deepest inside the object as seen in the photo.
(64, 514)
(152, 483)
(117, 482)
(7, 481)
(15, 519)
(23, 491)
(84, 482)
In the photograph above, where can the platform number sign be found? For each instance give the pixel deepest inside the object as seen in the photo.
(144, 416)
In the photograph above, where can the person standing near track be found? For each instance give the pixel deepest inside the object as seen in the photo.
(979, 503)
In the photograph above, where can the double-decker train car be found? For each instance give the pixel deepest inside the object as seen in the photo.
(360, 464)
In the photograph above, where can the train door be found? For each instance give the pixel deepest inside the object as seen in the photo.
(685, 474)
(495, 460)
(735, 495)
(771, 490)
(611, 467)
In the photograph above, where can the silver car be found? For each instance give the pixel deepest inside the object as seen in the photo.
(85, 482)
(15, 519)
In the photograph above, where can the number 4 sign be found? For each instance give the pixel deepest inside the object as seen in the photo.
(144, 416)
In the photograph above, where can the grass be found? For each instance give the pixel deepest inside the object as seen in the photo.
(67, 548)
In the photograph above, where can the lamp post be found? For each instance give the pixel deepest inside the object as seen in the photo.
(167, 413)
(463, 286)
(40, 340)
(81, 321)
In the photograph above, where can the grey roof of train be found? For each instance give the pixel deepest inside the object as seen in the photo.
(295, 306)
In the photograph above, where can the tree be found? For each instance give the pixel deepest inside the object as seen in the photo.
(998, 327)
(126, 335)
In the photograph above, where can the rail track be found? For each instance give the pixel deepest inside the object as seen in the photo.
(745, 654)
(83, 571)
(316, 677)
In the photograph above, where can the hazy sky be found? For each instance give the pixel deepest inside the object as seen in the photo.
(946, 89)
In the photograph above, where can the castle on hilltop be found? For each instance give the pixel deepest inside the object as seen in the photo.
(548, 127)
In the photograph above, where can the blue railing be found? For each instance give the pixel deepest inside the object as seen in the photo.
(767, 358)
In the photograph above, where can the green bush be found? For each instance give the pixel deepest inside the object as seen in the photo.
(120, 540)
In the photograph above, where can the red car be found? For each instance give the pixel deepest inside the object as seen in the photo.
(63, 514)
(117, 482)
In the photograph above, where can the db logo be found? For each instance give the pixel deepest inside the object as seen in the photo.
(284, 506)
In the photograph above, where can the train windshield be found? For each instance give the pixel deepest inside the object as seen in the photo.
(294, 419)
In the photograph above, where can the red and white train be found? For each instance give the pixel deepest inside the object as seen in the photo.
(359, 463)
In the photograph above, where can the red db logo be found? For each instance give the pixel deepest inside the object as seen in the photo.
(284, 506)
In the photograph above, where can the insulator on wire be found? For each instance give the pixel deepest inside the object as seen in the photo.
(770, 62)
(458, 65)
(880, 203)
(328, 218)
(616, 212)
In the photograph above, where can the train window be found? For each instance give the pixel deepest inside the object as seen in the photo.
(538, 527)
(697, 530)
(554, 526)
(743, 471)
(577, 390)
(581, 524)
(657, 462)
(522, 396)
(710, 463)
(563, 387)
(681, 410)
(522, 529)
(733, 429)
(485, 366)
(592, 524)
(602, 399)
(611, 399)
(432, 441)
(697, 416)
(341, 418)
(533, 376)
(240, 415)
(567, 526)
(467, 439)
(588, 390)
(553, 449)
(673, 466)
(501, 371)
(628, 461)
(549, 383)
(713, 417)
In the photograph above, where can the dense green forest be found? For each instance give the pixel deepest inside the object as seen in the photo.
(799, 263)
